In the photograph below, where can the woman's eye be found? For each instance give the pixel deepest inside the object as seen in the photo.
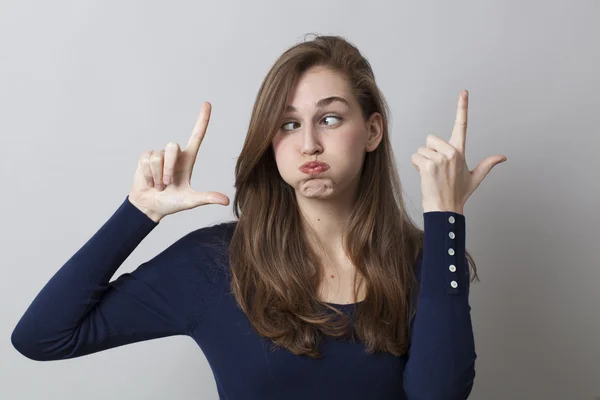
(283, 127)
(332, 116)
(287, 123)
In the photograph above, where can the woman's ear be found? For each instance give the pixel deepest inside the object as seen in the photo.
(375, 131)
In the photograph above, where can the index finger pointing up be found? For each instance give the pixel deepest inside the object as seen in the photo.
(459, 133)
(199, 130)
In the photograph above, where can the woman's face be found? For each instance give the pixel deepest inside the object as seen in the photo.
(319, 128)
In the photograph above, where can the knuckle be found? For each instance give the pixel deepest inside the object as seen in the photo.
(156, 157)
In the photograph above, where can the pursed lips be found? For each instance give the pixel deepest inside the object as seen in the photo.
(314, 167)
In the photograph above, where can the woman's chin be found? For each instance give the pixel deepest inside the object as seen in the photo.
(317, 188)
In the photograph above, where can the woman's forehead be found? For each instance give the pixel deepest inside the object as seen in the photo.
(318, 89)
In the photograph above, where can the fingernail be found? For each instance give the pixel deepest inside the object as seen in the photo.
(159, 187)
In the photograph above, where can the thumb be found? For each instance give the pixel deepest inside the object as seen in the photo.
(201, 198)
(484, 168)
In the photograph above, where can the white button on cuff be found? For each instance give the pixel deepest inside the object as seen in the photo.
(451, 219)
(452, 268)
(452, 235)
(453, 284)
(451, 251)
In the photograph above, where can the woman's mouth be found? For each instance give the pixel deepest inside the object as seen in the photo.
(314, 167)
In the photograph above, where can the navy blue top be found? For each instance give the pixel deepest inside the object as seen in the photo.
(184, 290)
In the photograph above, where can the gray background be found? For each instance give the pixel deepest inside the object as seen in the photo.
(86, 86)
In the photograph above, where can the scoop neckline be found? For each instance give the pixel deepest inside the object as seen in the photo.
(344, 305)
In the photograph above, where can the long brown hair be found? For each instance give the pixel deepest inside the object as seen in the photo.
(275, 272)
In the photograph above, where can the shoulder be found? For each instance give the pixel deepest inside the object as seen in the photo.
(208, 246)
(211, 238)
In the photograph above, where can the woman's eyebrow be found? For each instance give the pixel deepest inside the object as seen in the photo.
(321, 103)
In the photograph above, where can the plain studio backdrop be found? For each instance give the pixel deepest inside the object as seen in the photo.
(86, 86)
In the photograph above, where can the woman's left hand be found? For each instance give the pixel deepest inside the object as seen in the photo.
(446, 182)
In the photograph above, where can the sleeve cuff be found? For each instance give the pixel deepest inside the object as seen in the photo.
(444, 248)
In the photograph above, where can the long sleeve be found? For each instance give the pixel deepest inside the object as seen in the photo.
(441, 358)
(79, 311)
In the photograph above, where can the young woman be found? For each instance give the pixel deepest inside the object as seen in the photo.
(323, 287)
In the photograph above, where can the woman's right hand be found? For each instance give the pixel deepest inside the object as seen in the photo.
(161, 183)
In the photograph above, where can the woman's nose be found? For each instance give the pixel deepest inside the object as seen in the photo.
(310, 143)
